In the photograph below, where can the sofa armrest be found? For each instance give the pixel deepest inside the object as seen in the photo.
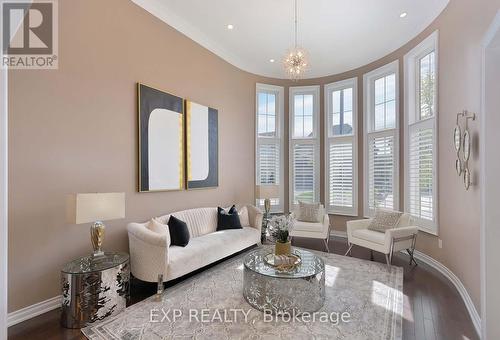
(255, 217)
(148, 253)
(357, 224)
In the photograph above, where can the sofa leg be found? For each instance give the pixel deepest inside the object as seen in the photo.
(348, 252)
(371, 255)
(326, 245)
(387, 260)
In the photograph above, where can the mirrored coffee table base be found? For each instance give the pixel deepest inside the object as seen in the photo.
(296, 292)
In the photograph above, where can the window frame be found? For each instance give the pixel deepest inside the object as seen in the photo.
(369, 131)
(315, 140)
(278, 139)
(340, 139)
(412, 121)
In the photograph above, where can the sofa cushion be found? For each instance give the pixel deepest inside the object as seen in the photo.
(155, 226)
(228, 219)
(308, 226)
(369, 235)
(206, 249)
(243, 214)
(179, 233)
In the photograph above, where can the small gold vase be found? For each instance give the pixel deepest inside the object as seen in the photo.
(283, 248)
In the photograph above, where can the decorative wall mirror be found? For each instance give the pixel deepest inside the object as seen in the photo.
(457, 137)
(458, 166)
(466, 179)
(466, 145)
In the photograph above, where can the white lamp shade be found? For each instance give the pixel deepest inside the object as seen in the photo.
(267, 191)
(86, 208)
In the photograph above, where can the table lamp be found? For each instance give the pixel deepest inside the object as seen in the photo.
(95, 208)
(267, 192)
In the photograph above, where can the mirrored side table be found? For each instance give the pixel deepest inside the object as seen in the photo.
(94, 288)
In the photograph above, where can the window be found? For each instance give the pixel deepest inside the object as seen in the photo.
(381, 152)
(420, 194)
(269, 141)
(341, 147)
(304, 144)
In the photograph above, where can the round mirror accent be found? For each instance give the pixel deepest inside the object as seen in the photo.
(457, 137)
(466, 145)
(458, 167)
(466, 179)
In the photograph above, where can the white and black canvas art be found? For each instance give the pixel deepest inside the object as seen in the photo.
(202, 147)
(161, 140)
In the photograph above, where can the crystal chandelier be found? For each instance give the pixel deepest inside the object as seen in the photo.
(295, 61)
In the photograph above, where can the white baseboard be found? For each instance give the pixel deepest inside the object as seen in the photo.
(29, 312)
(476, 319)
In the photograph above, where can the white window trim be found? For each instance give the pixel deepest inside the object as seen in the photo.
(280, 129)
(315, 91)
(410, 115)
(368, 98)
(329, 88)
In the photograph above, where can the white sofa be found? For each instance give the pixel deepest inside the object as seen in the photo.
(150, 255)
(319, 230)
(393, 240)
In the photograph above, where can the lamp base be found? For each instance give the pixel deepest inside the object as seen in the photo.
(97, 236)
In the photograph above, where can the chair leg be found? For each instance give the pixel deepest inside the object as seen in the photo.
(326, 245)
(348, 252)
(387, 260)
(412, 259)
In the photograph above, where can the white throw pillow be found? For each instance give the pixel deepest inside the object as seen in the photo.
(243, 215)
(310, 212)
(384, 219)
(155, 226)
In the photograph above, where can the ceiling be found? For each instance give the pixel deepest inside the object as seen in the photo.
(339, 35)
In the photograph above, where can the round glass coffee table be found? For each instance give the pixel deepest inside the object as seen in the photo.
(297, 291)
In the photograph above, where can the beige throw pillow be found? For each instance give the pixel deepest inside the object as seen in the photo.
(310, 212)
(384, 219)
(243, 215)
(155, 226)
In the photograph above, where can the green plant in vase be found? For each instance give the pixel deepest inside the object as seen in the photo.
(280, 229)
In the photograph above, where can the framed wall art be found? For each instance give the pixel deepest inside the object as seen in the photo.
(202, 146)
(161, 140)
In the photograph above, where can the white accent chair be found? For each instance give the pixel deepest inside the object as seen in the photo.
(402, 237)
(319, 230)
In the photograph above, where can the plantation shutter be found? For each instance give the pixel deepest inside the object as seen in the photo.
(303, 172)
(420, 174)
(381, 164)
(269, 163)
(341, 168)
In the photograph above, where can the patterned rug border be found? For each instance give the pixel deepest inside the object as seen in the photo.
(397, 313)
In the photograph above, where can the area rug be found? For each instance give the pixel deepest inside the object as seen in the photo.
(363, 300)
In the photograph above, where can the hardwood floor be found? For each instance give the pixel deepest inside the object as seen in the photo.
(433, 308)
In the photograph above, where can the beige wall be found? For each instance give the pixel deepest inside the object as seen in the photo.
(74, 130)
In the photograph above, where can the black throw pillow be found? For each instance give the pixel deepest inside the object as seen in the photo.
(228, 219)
(179, 232)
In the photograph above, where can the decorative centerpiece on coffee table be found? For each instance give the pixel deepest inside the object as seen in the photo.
(280, 228)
